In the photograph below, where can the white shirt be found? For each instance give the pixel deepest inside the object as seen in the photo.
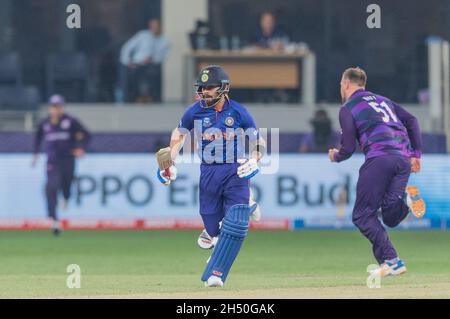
(144, 45)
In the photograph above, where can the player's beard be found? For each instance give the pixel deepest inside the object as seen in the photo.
(210, 101)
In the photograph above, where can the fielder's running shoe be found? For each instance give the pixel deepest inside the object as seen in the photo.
(214, 281)
(205, 241)
(392, 267)
(415, 203)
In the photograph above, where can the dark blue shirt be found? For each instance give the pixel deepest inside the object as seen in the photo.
(61, 138)
(264, 41)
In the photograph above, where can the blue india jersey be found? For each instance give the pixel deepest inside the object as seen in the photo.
(220, 134)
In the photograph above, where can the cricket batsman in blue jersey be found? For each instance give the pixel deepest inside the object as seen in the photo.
(221, 127)
(391, 141)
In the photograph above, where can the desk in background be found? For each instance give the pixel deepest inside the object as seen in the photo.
(257, 70)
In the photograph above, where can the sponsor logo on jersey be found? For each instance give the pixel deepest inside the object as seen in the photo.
(207, 122)
(65, 124)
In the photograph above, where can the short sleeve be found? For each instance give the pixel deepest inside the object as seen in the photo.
(187, 121)
(248, 123)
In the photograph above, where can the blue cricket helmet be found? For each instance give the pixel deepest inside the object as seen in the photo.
(212, 76)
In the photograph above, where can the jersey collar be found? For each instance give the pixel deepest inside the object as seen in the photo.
(357, 92)
(224, 106)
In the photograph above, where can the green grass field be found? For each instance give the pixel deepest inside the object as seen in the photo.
(168, 264)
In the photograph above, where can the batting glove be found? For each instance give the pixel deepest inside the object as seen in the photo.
(248, 168)
(164, 179)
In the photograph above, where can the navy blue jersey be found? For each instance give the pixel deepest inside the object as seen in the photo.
(220, 133)
(61, 138)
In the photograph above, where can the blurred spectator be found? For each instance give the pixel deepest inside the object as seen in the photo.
(323, 137)
(141, 58)
(269, 35)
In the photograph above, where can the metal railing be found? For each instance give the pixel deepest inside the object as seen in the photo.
(18, 121)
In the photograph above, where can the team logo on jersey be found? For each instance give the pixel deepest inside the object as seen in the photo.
(205, 77)
(65, 124)
(229, 121)
(207, 122)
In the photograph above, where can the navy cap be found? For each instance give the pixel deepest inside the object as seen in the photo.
(56, 100)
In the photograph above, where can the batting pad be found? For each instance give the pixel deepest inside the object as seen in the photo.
(232, 234)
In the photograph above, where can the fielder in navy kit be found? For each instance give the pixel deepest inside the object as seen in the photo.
(390, 139)
(65, 140)
(220, 125)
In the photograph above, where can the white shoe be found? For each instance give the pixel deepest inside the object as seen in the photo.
(256, 214)
(205, 241)
(390, 268)
(214, 281)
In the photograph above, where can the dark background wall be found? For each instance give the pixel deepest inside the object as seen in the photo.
(394, 56)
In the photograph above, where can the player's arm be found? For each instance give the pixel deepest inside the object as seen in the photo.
(167, 172)
(249, 167)
(348, 137)
(176, 142)
(82, 138)
(412, 126)
(37, 143)
(258, 149)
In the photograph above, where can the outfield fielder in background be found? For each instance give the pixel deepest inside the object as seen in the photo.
(65, 140)
(391, 141)
(225, 200)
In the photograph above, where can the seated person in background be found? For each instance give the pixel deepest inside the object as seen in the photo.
(269, 35)
(140, 64)
(322, 138)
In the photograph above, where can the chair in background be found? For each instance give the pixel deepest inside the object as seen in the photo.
(10, 69)
(19, 98)
(68, 74)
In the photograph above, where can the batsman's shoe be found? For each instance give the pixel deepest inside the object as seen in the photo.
(214, 281)
(415, 203)
(205, 241)
(255, 212)
(391, 268)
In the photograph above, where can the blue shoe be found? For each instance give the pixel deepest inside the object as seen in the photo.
(415, 203)
(391, 268)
